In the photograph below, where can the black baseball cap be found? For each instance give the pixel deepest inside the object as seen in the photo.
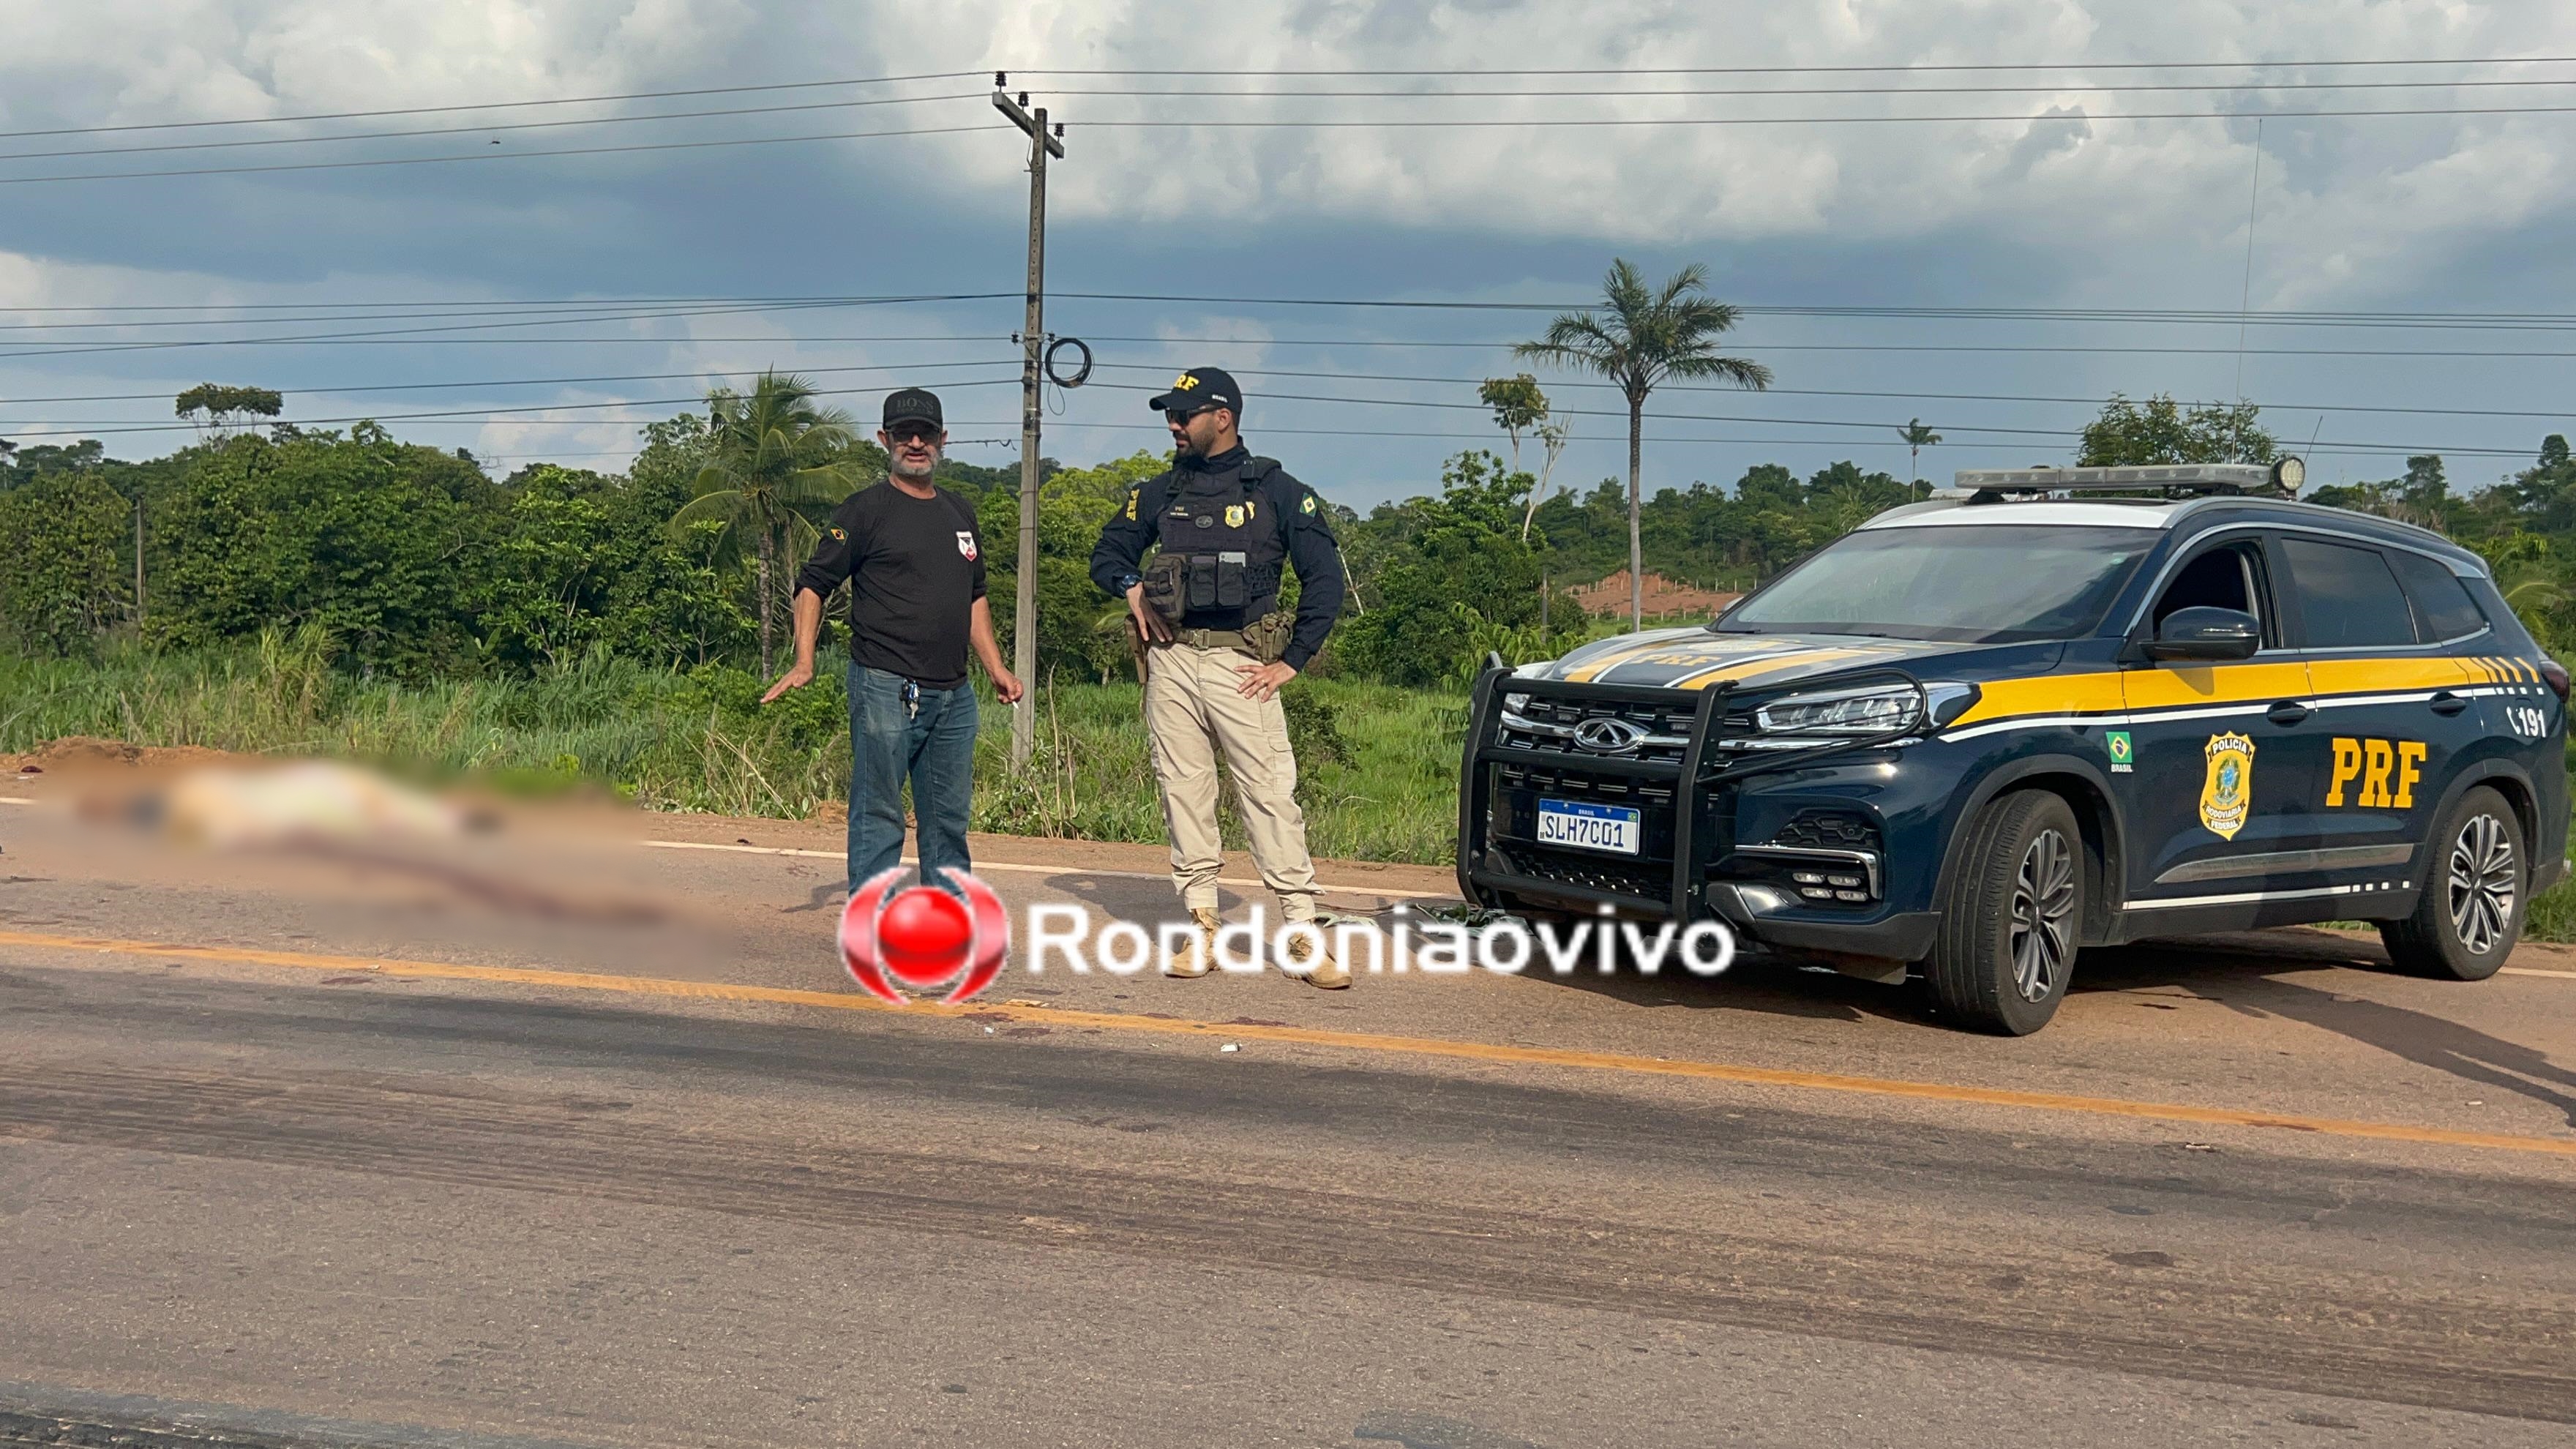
(914, 405)
(1199, 389)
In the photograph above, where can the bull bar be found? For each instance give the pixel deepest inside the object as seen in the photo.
(1691, 778)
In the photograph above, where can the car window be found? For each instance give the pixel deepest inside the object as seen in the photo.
(2347, 596)
(1967, 583)
(2443, 608)
(2218, 579)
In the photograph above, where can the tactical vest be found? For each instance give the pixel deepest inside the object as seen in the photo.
(1221, 524)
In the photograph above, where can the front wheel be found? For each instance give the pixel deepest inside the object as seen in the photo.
(2011, 917)
(2476, 892)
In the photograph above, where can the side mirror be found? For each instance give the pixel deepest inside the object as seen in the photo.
(2206, 635)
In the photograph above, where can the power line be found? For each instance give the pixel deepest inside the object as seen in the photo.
(85, 349)
(2051, 87)
(346, 390)
(1510, 123)
(1839, 392)
(362, 389)
(1785, 309)
(488, 156)
(1619, 413)
(482, 415)
(487, 106)
(1846, 69)
(1952, 313)
(487, 130)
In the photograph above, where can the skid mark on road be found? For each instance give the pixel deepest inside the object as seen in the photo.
(1491, 1052)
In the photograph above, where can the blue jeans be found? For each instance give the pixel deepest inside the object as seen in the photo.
(935, 749)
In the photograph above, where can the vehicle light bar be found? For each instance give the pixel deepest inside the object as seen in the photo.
(2282, 476)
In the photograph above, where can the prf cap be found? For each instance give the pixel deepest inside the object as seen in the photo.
(914, 405)
(1199, 389)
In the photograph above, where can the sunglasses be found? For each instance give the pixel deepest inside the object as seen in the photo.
(914, 432)
(1177, 418)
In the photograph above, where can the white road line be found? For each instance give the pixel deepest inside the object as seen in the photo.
(2531, 971)
(15, 800)
(1389, 892)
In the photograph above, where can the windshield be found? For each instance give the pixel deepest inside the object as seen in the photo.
(1957, 583)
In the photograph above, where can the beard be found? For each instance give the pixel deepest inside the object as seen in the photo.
(914, 472)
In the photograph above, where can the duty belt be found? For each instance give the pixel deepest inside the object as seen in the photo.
(1212, 639)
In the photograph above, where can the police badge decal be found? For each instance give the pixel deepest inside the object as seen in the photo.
(966, 545)
(2224, 796)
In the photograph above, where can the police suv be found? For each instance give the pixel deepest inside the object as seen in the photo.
(2048, 709)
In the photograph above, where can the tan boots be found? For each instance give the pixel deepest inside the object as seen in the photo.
(1310, 955)
(1195, 956)
(1308, 959)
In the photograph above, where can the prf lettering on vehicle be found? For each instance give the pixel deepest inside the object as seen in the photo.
(2371, 762)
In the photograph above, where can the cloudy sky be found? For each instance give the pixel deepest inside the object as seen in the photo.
(1988, 214)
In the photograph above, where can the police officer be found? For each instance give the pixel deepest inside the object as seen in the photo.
(1217, 648)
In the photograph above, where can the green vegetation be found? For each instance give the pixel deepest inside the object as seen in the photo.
(1379, 764)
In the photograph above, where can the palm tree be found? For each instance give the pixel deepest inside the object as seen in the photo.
(775, 455)
(1917, 438)
(1638, 338)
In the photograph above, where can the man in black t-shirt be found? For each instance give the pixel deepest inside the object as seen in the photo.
(915, 568)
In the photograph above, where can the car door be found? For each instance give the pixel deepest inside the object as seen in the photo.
(2392, 692)
(2224, 756)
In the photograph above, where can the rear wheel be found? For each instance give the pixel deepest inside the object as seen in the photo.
(2011, 917)
(2476, 891)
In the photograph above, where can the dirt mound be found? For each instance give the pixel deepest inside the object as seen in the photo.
(88, 754)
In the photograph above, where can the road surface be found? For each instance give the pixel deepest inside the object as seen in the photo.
(584, 1138)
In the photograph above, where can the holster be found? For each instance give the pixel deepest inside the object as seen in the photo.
(1266, 638)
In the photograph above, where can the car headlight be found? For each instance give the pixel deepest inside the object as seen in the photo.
(1879, 710)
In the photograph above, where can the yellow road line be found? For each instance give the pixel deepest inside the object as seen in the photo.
(1490, 1052)
(2532, 971)
(1349, 890)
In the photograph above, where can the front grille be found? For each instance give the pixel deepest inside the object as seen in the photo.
(1588, 786)
(1672, 721)
(1564, 867)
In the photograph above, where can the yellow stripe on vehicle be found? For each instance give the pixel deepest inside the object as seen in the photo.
(2045, 694)
(1587, 673)
(1761, 668)
(2382, 676)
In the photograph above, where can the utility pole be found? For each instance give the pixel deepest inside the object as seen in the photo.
(1024, 613)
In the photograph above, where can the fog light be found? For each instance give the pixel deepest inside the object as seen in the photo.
(1816, 893)
(1849, 882)
(1849, 896)
(1806, 877)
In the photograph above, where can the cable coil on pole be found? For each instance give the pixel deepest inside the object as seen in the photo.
(1081, 374)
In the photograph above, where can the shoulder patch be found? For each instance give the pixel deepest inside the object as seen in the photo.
(1132, 495)
(839, 534)
(1308, 504)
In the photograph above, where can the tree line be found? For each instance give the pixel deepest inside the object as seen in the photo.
(419, 562)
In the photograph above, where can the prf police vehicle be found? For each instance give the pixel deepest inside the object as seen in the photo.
(2029, 715)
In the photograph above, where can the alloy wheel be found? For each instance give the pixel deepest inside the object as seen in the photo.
(2043, 908)
(2482, 883)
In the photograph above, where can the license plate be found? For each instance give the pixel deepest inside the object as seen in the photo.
(1588, 827)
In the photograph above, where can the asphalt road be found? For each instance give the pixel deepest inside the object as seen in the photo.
(572, 1140)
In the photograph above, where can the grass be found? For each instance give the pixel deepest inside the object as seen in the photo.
(1379, 764)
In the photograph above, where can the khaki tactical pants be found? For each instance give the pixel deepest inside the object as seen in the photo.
(1192, 708)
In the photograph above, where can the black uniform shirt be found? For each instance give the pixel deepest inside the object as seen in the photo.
(915, 568)
(1312, 551)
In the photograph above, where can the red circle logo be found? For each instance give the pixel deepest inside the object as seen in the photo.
(924, 937)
